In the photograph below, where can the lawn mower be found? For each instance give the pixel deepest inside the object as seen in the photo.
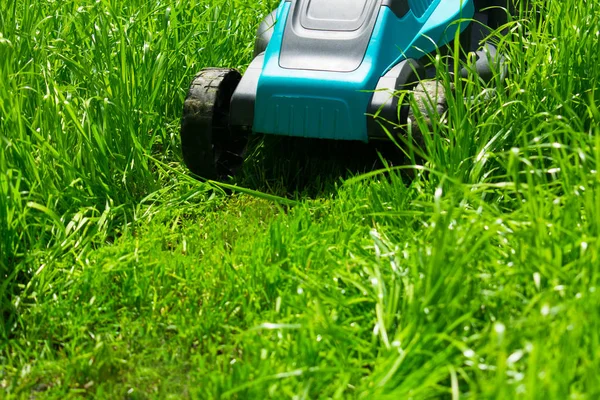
(324, 69)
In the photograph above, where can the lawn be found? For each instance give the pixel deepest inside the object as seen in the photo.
(469, 270)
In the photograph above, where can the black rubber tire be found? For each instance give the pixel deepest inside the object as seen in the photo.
(430, 99)
(265, 32)
(211, 148)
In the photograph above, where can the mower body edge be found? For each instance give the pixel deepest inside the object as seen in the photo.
(290, 94)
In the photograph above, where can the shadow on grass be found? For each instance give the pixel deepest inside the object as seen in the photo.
(301, 167)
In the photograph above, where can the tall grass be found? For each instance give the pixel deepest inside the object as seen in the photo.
(89, 90)
(476, 277)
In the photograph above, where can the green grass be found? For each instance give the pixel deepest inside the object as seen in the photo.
(472, 271)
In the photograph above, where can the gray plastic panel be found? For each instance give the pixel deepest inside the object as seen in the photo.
(332, 35)
(338, 43)
(241, 111)
(335, 15)
(384, 102)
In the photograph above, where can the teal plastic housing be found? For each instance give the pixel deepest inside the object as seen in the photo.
(333, 105)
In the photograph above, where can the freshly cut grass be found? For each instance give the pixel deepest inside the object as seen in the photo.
(470, 271)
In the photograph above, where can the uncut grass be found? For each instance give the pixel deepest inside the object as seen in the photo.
(89, 89)
(123, 277)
